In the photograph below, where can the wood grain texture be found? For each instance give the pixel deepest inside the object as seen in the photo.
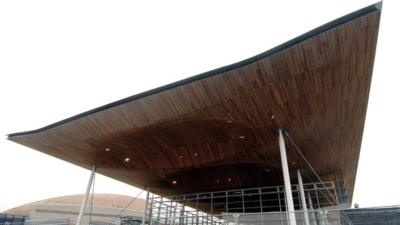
(217, 133)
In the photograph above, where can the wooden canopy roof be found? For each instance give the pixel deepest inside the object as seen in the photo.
(217, 130)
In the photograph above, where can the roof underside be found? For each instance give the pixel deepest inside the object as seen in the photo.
(214, 131)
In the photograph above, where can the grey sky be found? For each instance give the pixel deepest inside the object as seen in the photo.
(60, 58)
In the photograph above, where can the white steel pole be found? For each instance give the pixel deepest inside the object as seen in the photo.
(145, 207)
(314, 218)
(310, 202)
(84, 201)
(286, 178)
(303, 198)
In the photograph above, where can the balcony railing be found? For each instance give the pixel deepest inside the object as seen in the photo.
(212, 205)
(361, 216)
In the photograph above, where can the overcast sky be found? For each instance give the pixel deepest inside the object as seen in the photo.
(60, 58)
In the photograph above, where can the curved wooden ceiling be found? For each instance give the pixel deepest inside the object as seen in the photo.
(218, 130)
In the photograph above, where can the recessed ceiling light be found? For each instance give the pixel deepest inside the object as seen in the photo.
(217, 180)
(267, 170)
(163, 176)
(229, 121)
(127, 159)
(181, 156)
(294, 163)
(195, 154)
(174, 182)
(107, 149)
(229, 179)
(241, 137)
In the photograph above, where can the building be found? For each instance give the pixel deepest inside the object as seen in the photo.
(7, 219)
(105, 209)
(271, 139)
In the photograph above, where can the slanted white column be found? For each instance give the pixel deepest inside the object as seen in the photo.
(84, 201)
(310, 202)
(145, 207)
(314, 218)
(286, 178)
(303, 198)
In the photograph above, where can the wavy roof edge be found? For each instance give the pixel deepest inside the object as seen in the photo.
(361, 12)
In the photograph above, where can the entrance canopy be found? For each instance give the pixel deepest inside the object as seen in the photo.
(218, 130)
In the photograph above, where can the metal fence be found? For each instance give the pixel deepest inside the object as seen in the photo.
(60, 221)
(243, 201)
(274, 218)
(389, 215)
(361, 216)
(367, 216)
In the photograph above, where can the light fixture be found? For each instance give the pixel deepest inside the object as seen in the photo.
(267, 170)
(217, 180)
(241, 137)
(181, 156)
(127, 159)
(229, 121)
(195, 154)
(163, 176)
(107, 149)
(174, 182)
(229, 179)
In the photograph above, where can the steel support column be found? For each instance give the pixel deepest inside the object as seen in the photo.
(303, 198)
(145, 207)
(286, 178)
(85, 198)
(313, 215)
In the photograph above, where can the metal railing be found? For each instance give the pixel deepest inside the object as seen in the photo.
(251, 200)
(366, 216)
(274, 218)
(361, 216)
(389, 215)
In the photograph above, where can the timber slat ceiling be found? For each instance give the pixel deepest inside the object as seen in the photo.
(216, 131)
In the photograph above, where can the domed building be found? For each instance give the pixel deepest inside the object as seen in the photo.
(105, 209)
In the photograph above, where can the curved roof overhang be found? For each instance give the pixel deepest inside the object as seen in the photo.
(215, 130)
